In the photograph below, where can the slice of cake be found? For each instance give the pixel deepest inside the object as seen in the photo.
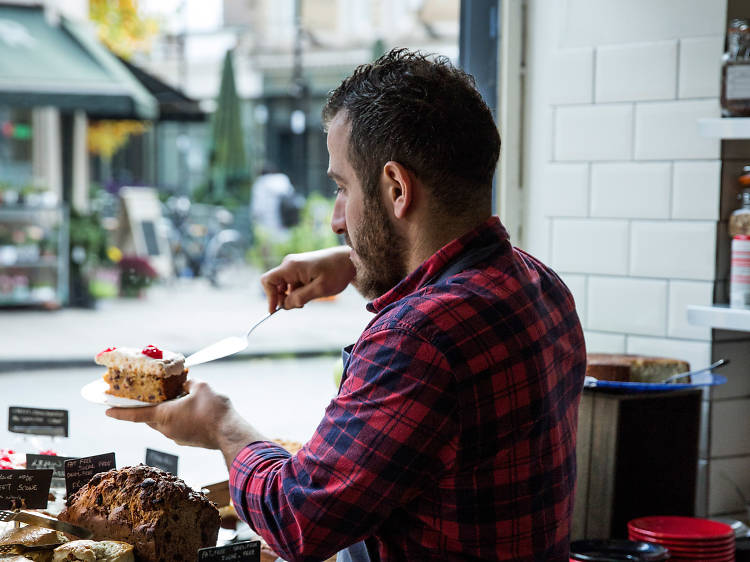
(148, 374)
(634, 368)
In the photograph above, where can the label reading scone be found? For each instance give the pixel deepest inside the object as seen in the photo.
(24, 488)
(247, 551)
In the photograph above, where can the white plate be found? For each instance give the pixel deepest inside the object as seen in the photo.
(96, 392)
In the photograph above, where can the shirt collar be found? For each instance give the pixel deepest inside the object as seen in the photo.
(432, 266)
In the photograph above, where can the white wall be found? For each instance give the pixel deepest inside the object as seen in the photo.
(621, 193)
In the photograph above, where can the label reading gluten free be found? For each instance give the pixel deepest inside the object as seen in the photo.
(246, 551)
(38, 421)
(165, 461)
(24, 488)
(79, 471)
(57, 464)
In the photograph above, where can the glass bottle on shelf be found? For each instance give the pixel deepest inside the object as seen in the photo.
(735, 70)
(739, 220)
(739, 230)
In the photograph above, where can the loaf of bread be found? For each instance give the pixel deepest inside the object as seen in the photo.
(156, 512)
(634, 368)
(94, 551)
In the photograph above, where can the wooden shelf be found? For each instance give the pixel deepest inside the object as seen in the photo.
(725, 127)
(720, 316)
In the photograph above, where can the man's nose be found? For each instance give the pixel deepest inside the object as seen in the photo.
(338, 220)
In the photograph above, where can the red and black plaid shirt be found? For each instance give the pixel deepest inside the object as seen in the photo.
(453, 433)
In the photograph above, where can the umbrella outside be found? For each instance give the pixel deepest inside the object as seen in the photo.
(228, 162)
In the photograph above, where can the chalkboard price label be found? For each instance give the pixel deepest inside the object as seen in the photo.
(43, 462)
(24, 488)
(165, 461)
(37, 421)
(247, 551)
(79, 471)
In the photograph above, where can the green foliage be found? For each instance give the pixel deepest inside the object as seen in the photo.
(86, 232)
(312, 233)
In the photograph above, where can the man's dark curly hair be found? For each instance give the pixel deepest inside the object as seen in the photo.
(428, 116)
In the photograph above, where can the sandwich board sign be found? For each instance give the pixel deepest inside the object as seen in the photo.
(141, 231)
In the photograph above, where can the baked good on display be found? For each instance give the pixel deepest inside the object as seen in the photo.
(30, 543)
(634, 368)
(149, 374)
(163, 518)
(94, 551)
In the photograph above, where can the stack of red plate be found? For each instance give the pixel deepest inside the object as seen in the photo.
(689, 539)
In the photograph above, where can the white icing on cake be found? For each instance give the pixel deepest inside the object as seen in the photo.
(131, 360)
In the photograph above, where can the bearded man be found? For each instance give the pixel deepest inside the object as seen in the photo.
(452, 436)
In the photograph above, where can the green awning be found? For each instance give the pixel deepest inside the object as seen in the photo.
(61, 64)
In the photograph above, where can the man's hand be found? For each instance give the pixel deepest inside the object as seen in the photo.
(303, 277)
(200, 419)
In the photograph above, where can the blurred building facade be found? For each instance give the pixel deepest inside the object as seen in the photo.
(288, 55)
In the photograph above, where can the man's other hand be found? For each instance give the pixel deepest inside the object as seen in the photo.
(303, 277)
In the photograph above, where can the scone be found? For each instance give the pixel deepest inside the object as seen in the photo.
(148, 374)
(94, 551)
(163, 518)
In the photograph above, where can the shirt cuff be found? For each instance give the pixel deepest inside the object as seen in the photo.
(260, 455)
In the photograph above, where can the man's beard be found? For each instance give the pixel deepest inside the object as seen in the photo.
(381, 252)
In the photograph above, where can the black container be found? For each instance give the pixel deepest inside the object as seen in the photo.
(617, 550)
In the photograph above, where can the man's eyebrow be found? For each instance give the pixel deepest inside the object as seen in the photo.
(334, 176)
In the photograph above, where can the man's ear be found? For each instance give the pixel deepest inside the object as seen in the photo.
(400, 185)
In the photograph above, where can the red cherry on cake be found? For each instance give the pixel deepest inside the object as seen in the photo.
(153, 352)
(106, 351)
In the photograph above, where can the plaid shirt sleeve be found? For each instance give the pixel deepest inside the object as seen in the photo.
(392, 425)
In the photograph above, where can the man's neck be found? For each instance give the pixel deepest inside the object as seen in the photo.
(423, 243)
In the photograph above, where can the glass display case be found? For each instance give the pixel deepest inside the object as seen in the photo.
(33, 256)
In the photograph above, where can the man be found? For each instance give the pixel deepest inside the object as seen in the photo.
(452, 436)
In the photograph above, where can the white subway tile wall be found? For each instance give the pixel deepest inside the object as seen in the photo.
(608, 22)
(590, 246)
(730, 420)
(594, 132)
(642, 72)
(574, 77)
(603, 342)
(695, 190)
(700, 66)
(669, 130)
(627, 305)
(568, 190)
(681, 294)
(631, 190)
(673, 249)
